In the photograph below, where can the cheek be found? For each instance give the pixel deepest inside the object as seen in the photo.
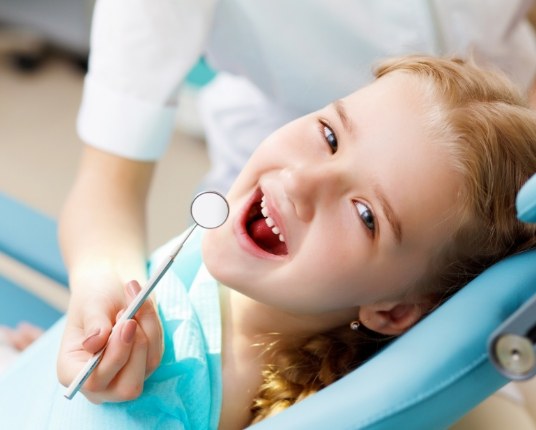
(348, 267)
(332, 260)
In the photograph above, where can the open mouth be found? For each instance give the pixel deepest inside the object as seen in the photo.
(263, 230)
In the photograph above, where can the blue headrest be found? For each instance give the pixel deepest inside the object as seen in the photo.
(439, 370)
(526, 201)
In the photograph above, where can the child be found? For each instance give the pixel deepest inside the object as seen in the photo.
(348, 224)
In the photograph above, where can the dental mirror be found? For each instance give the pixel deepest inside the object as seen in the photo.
(209, 210)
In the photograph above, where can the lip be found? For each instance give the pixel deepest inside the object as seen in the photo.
(244, 240)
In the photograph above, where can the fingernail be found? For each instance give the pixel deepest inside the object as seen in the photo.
(128, 331)
(133, 288)
(92, 334)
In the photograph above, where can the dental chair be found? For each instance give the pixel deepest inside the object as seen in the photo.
(28, 242)
(466, 350)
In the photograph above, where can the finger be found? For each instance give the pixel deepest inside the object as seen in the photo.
(115, 356)
(132, 288)
(149, 321)
(97, 329)
(129, 382)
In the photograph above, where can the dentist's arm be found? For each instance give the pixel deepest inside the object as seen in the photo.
(140, 51)
(102, 236)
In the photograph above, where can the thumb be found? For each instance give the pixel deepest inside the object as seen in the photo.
(97, 329)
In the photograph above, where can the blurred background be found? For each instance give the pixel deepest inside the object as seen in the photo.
(43, 58)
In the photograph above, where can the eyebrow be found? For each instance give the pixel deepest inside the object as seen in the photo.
(390, 214)
(343, 116)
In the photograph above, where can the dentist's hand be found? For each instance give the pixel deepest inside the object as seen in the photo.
(133, 352)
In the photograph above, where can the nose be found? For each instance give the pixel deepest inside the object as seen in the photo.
(309, 186)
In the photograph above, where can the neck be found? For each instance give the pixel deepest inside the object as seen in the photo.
(242, 364)
(248, 330)
(251, 331)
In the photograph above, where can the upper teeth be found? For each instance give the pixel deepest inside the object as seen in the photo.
(269, 221)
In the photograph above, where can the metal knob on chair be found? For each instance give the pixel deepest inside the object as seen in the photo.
(515, 356)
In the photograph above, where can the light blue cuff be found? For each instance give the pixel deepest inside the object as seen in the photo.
(124, 125)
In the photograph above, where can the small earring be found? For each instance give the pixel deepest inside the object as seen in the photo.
(354, 325)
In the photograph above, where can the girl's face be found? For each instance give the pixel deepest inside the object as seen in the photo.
(357, 196)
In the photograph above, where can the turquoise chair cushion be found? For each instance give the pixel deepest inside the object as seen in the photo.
(18, 304)
(30, 238)
(526, 201)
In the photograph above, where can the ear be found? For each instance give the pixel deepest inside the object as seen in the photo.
(392, 318)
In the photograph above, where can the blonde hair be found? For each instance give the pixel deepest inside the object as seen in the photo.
(489, 131)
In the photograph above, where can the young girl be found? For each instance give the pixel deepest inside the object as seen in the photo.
(347, 225)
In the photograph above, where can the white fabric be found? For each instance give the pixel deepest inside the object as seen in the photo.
(300, 54)
(141, 131)
(237, 116)
(8, 353)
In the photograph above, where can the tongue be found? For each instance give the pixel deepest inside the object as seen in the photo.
(265, 238)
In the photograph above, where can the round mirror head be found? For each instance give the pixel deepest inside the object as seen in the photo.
(209, 209)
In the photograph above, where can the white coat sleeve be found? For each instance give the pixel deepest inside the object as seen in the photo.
(140, 52)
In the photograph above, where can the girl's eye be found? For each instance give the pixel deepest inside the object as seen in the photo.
(366, 215)
(330, 138)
